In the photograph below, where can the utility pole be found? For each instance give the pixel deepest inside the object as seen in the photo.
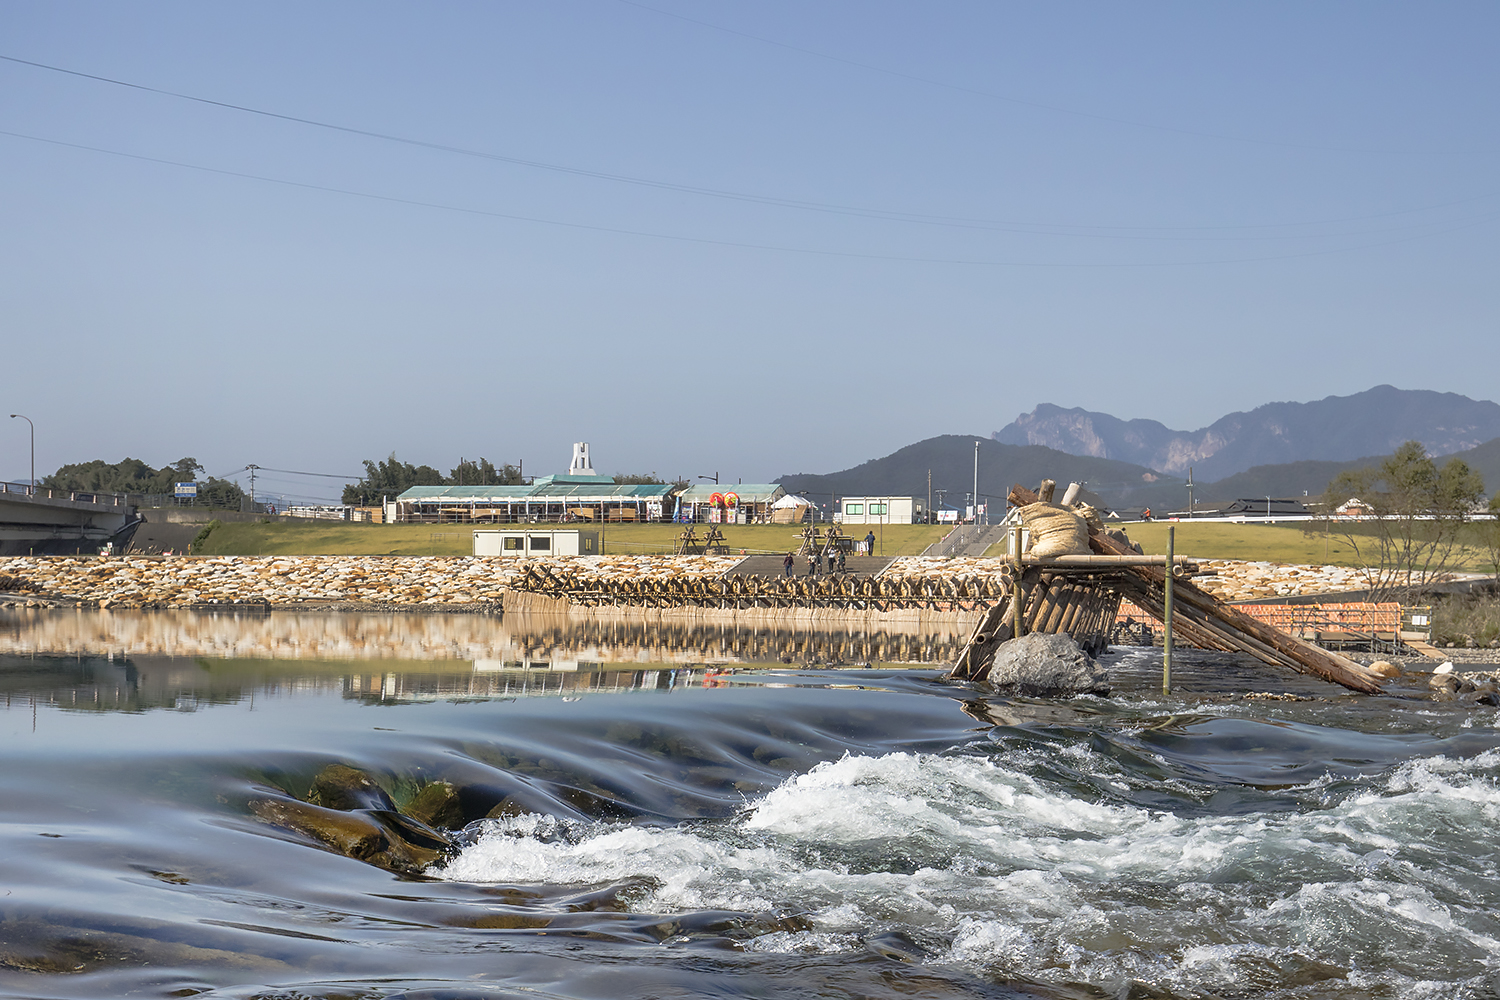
(976, 482)
(252, 469)
(1190, 491)
(32, 486)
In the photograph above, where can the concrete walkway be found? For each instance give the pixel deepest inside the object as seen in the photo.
(855, 566)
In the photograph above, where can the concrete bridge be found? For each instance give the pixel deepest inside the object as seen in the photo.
(39, 520)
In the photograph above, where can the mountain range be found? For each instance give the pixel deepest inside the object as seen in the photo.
(1310, 444)
(1334, 429)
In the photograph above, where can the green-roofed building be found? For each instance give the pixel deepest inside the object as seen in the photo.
(579, 494)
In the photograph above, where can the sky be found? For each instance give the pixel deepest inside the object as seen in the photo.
(723, 238)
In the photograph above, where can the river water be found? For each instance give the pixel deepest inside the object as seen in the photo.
(716, 822)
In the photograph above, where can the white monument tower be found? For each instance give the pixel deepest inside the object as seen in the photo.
(581, 466)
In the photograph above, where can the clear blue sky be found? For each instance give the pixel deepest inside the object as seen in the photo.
(747, 238)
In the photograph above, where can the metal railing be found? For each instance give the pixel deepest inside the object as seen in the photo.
(76, 496)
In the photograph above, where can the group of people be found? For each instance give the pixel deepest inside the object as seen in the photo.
(834, 554)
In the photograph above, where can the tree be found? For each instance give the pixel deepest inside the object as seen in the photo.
(131, 475)
(482, 473)
(1489, 534)
(390, 478)
(1415, 515)
(647, 479)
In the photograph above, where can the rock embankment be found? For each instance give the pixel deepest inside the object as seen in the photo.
(1234, 580)
(459, 581)
(431, 581)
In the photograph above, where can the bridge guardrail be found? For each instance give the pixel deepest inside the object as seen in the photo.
(77, 496)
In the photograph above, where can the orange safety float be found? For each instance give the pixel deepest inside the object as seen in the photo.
(731, 499)
(717, 499)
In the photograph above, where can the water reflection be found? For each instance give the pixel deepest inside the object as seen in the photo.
(102, 683)
(182, 660)
(516, 642)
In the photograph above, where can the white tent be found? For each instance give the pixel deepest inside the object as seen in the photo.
(790, 509)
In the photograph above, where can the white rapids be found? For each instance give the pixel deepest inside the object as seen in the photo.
(1391, 887)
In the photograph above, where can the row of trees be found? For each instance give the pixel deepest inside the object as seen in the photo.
(393, 477)
(131, 475)
(1415, 519)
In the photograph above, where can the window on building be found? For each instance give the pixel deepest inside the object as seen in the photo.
(541, 544)
(854, 508)
(878, 508)
(513, 543)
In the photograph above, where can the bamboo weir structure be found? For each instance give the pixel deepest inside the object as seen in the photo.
(751, 599)
(1079, 594)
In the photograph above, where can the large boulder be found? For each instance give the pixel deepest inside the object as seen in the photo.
(1046, 666)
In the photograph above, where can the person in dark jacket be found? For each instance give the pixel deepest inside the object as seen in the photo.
(788, 562)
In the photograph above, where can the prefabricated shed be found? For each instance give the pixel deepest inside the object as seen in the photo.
(536, 542)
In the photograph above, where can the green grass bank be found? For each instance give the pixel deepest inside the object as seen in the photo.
(329, 538)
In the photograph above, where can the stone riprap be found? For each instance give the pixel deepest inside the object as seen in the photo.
(478, 580)
(126, 582)
(1235, 580)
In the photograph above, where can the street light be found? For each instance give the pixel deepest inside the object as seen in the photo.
(32, 488)
(714, 478)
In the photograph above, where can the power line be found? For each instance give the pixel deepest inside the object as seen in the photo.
(888, 215)
(324, 475)
(705, 241)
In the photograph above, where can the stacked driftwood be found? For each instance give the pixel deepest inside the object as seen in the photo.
(1053, 592)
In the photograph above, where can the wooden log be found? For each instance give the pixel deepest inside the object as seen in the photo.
(1037, 603)
(1077, 599)
(1060, 592)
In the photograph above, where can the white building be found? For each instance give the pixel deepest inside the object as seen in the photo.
(882, 510)
(536, 542)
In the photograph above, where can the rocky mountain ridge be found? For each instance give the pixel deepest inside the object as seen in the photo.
(1332, 429)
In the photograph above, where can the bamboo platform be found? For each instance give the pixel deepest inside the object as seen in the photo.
(1049, 598)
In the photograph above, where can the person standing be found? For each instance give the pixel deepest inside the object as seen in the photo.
(870, 544)
(787, 563)
(812, 563)
(842, 555)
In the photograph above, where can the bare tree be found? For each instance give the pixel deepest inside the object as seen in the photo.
(1409, 519)
(1489, 533)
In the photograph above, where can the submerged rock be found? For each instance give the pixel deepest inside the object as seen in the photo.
(339, 786)
(1047, 666)
(437, 805)
(348, 812)
(387, 840)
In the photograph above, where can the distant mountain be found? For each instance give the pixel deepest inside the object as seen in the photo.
(951, 459)
(1334, 429)
(1115, 484)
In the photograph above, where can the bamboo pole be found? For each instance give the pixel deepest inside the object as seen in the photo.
(1166, 635)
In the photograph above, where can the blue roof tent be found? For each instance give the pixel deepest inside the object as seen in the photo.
(550, 498)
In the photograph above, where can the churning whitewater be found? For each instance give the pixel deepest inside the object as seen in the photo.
(988, 861)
